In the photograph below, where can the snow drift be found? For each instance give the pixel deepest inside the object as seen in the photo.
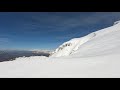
(94, 55)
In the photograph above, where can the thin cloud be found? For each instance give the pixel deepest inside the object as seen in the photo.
(93, 19)
(101, 17)
(4, 40)
(57, 22)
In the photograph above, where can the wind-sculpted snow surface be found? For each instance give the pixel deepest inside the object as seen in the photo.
(95, 55)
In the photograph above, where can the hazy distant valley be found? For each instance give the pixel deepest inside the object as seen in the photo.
(7, 55)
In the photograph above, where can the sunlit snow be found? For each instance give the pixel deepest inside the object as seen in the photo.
(94, 55)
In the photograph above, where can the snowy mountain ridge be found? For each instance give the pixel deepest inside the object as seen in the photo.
(72, 46)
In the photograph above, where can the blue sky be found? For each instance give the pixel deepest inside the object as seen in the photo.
(47, 30)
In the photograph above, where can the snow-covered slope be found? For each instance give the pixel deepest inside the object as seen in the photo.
(71, 46)
(96, 43)
(94, 55)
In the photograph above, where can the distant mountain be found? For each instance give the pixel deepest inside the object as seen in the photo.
(41, 51)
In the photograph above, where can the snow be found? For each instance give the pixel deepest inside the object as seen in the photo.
(94, 55)
(71, 46)
(117, 22)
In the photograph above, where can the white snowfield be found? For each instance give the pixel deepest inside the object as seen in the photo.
(96, 55)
